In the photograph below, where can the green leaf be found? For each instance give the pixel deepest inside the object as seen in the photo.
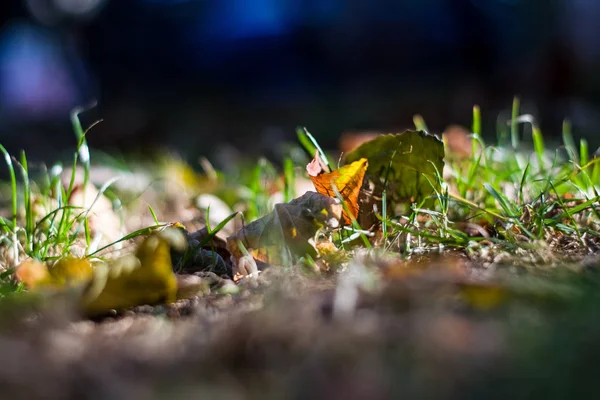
(409, 160)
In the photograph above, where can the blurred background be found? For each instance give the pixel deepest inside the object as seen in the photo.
(216, 76)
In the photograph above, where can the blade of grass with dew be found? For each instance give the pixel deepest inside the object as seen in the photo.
(82, 147)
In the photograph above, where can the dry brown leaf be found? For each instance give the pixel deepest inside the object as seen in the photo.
(290, 225)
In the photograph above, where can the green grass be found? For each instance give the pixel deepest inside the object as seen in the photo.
(518, 201)
(41, 224)
(516, 195)
(519, 196)
(513, 196)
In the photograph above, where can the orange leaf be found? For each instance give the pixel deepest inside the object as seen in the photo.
(347, 179)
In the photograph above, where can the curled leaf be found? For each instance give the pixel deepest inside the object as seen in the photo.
(347, 180)
(67, 271)
(290, 226)
(144, 278)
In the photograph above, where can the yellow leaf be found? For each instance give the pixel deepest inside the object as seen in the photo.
(32, 273)
(483, 296)
(71, 270)
(347, 179)
(67, 271)
(144, 278)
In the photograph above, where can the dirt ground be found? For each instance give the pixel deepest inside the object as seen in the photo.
(427, 335)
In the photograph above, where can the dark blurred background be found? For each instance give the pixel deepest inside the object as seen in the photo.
(198, 75)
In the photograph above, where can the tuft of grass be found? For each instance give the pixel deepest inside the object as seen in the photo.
(516, 200)
(42, 225)
(509, 197)
(518, 194)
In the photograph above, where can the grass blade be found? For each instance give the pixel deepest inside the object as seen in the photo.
(514, 126)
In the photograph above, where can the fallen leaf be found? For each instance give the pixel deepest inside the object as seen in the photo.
(412, 158)
(32, 273)
(347, 179)
(71, 271)
(290, 226)
(144, 278)
(483, 295)
(68, 271)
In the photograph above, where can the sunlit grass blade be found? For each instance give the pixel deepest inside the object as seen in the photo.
(311, 145)
(583, 152)
(476, 127)
(576, 209)
(289, 190)
(82, 147)
(27, 204)
(140, 232)
(568, 141)
(523, 183)
(13, 189)
(420, 123)
(384, 221)
(476, 130)
(153, 213)
(514, 125)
